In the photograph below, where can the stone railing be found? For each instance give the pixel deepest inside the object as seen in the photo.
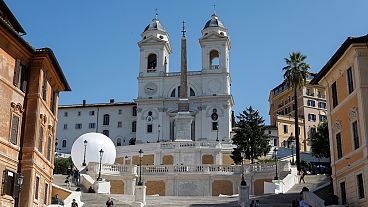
(209, 169)
(181, 145)
(107, 169)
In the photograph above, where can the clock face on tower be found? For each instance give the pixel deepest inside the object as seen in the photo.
(150, 88)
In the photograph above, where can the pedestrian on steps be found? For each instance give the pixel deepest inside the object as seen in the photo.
(109, 203)
(302, 174)
(74, 204)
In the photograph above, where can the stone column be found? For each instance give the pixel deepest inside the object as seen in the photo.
(243, 195)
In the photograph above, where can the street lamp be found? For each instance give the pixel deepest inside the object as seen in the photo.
(126, 159)
(20, 179)
(140, 183)
(84, 156)
(158, 133)
(275, 153)
(217, 126)
(99, 178)
(242, 154)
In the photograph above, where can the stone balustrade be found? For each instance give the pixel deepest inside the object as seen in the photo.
(108, 169)
(183, 145)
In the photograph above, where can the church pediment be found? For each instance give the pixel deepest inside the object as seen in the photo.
(151, 40)
(213, 36)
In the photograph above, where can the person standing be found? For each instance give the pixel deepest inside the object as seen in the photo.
(74, 204)
(302, 174)
(109, 203)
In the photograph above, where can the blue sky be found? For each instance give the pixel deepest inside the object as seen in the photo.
(96, 41)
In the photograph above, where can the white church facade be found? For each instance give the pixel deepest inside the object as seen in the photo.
(153, 119)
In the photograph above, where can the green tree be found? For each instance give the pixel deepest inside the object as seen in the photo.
(295, 75)
(62, 164)
(320, 143)
(249, 136)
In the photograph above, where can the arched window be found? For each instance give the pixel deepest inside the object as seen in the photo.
(151, 63)
(118, 142)
(63, 145)
(192, 93)
(214, 59)
(173, 92)
(106, 119)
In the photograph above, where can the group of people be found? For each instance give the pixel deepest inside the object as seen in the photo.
(73, 177)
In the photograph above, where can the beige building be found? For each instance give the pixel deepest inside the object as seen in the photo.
(346, 77)
(30, 82)
(311, 108)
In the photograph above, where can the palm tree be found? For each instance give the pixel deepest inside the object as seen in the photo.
(296, 73)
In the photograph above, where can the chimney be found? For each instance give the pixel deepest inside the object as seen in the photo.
(112, 100)
(84, 102)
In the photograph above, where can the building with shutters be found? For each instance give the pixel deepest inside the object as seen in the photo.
(30, 82)
(345, 77)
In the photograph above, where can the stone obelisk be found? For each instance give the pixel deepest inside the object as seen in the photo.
(183, 119)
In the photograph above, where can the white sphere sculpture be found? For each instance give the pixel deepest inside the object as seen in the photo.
(95, 142)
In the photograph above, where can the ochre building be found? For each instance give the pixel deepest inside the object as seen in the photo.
(346, 78)
(30, 82)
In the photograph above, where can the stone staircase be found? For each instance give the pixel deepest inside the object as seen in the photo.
(99, 200)
(311, 182)
(277, 200)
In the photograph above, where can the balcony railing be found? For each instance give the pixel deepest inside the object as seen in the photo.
(108, 169)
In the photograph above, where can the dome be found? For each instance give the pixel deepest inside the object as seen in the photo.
(214, 22)
(155, 25)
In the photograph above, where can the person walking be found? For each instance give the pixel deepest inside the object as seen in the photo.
(109, 203)
(302, 174)
(74, 204)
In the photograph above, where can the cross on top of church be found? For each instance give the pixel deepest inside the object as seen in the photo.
(214, 8)
(183, 31)
(156, 13)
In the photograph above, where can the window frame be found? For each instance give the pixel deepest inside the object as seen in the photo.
(149, 128)
(285, 128)
(134, 126)
(339, 148)
(37, 187)
(334, 94)
(343, 192)
(106, 120)
(360, 185)
(350, 80)
(355, 134)
(18, 129)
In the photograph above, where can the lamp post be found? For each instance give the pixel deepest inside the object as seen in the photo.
(275, 153)
(126, 159)
(217, 126)
(292, 154)
(99, 178)
(84, 155)
(19, 181)
(158, 133)
(242, 154)
(140, 183)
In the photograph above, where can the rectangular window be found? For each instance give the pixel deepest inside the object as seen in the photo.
(334, 94)
(92, 125)
(44, 87)
(360, 184)
(214, 125)
(149, 128)
(322, 118)
(286, 130)
(65, 114)
(311, 117)
(120, 111)
(46, 196)
(134, 126)
(78, 126)
(37, 186)
(49, 148)
(40, 142)
(322, 105)
(307, 92)
(311, 103)
(120, 124)
(8, 183)
(343, 193)
(14, 130)
(91, 113)
(338, 146)
(134, 111)
(53, 101)
(355, 134)
(106, 119)
(350, 80)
